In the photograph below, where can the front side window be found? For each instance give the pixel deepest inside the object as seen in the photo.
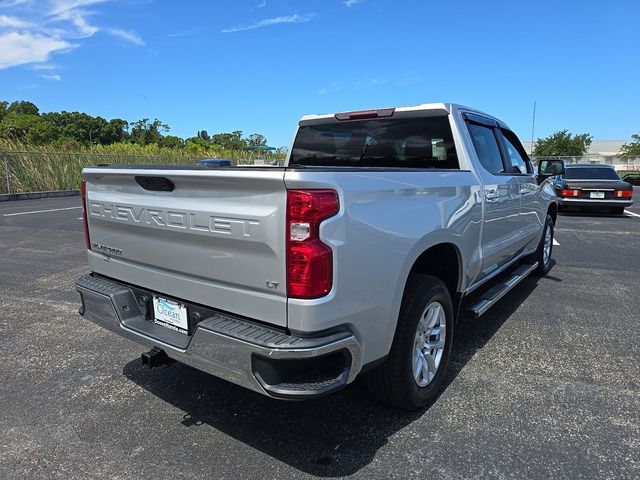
(388, 142)
(486, 146)
(519, 164)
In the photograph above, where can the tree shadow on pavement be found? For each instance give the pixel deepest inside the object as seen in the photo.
(333, 436)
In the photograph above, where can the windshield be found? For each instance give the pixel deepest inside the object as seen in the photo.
(389, 142)
(590, 173)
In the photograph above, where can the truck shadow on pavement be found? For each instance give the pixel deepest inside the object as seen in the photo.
(592, 213)
(334, 436)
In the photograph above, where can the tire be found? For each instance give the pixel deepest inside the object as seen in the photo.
(544, 263)
(394, 382)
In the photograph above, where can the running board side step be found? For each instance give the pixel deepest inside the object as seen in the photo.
(488, 298)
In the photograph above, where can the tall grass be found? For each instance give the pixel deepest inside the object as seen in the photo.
(31, 168)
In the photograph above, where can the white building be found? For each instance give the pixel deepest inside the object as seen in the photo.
(605, 152)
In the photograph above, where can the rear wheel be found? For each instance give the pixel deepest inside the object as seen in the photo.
(416, 367)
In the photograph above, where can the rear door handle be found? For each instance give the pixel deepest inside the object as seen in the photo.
(491, 195)
(524, 190)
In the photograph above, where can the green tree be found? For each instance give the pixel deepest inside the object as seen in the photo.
(144, 132)
(562, 144)
(198, 144)
(256, 140)
(22, 121)
(632, 149)
(171, 141)
(23, 108)
(204, 135)
(77, 126)
(230, 141)
(114, 131)
(27, 128)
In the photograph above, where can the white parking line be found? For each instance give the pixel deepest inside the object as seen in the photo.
(633, 214)
(555, 242)
(39, 211)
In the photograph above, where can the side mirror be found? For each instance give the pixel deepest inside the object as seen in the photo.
(550, 168)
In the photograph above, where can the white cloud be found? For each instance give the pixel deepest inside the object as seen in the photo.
(13, 3)
(331, 88)
(31, 31)
(43, 66)
(351, 85)
(72, 11)
(131, 37)
(351, 3)
(14, 22)
(64, 7)
(22, 48)
(271, 21)
(371, 82)
(53, 77)
(185, 33)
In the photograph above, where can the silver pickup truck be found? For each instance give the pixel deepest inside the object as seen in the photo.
(357, 257)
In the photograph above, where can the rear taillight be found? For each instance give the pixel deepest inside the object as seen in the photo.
(570, 193)
(309, 260)
(85, 223)
(623, 194)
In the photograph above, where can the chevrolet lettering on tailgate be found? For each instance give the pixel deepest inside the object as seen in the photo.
(196, 221)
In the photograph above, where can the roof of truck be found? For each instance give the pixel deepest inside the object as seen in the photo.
(424, 107)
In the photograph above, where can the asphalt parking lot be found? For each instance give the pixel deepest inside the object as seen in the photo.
(545, 385)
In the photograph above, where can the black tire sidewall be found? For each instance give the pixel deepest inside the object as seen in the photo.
(538, 255)
(548, 224)
(430, 290)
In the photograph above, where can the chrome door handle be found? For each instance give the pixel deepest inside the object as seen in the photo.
(524, 190)
(491, 195)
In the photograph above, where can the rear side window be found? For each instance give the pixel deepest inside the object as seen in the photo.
(486, 145)
(390, 142)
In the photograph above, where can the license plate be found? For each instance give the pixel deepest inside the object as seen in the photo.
(596, 195)
(170, 314)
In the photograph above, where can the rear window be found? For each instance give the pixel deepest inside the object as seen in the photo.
(388, 142)
(590, 173)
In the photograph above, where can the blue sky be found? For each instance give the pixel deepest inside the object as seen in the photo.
(259, 65)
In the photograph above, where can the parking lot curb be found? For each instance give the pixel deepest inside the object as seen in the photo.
(6, 197)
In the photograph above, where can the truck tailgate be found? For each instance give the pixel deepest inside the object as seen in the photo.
(216, 239)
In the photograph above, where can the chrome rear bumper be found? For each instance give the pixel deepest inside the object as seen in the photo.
(246, 353)
(588, 202)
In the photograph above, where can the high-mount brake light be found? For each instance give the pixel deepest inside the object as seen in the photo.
(364, 114)
(85, 223)
(309, 260)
